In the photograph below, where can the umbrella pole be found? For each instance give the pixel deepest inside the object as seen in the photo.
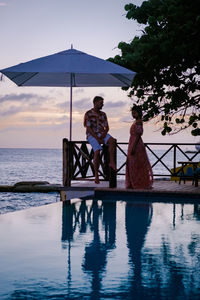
(70, 125)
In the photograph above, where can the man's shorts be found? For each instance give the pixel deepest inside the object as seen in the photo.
(95, 144)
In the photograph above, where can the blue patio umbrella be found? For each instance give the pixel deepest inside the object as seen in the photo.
(69, 68)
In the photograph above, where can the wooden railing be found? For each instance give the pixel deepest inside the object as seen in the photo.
(78, 163)
(78, 160)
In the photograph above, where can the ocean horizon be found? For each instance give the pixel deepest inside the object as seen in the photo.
(45, 164)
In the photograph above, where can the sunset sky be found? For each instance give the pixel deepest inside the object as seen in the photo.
(39, 117)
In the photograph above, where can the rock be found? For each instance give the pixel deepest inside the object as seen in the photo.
(30, 183)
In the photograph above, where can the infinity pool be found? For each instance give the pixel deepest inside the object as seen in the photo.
(95, 249)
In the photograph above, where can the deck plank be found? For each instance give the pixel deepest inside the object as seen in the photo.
(158, 185)
(160, 188)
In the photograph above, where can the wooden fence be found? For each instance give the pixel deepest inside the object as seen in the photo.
(78, 163)
(78, 160)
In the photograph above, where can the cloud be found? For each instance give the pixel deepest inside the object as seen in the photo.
(78, 91)
(35, 127)
(10, 111)
(47, 120)
(85, 104)
(29, 119)
(126, 119)
(37, 124)
(62, 119)
(22, 97)
(24, 102)
(62, 105)
(117, 104)
(101, 95)
(3, 4)
(82, 104)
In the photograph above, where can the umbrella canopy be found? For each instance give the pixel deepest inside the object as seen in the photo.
(69, 68)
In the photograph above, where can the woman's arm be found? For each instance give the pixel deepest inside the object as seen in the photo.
(135, 144)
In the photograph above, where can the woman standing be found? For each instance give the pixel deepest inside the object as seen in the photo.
(139, 173)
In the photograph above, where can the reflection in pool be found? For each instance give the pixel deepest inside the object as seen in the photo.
(133, 254)
(114, 250)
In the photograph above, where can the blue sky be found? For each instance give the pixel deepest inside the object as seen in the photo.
(39, 117)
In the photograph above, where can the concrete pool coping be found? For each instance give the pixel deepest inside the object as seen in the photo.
(89, 188)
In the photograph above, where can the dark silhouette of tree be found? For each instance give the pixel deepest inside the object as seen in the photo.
(167, 61)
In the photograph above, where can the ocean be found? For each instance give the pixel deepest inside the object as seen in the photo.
(28, 165)
(46, 165)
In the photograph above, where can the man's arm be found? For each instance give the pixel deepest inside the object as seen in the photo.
(106, 127)
(85, 120)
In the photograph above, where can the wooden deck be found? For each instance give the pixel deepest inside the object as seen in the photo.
(161, 188)
(158, 186)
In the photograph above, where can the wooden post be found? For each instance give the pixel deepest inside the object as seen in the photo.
(63, 196)
(113, 174)
(106, 169)
(174, 164)
(66, 173)
(83, 160)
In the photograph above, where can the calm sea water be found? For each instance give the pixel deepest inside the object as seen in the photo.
(30, 165)
(98, 249)
(46, 165)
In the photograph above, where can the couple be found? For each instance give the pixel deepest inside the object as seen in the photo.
(138, 169)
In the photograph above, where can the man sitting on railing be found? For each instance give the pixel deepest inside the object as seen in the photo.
(97, 128)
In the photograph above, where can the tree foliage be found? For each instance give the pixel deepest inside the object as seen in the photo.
(166, 57)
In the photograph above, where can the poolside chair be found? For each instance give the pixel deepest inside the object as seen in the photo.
(187, 175)
(198, 172)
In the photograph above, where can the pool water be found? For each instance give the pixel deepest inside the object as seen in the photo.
(96, 249)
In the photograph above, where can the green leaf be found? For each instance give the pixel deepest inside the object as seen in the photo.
(165, 55)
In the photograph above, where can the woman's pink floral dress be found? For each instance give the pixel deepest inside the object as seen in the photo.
(139, 173)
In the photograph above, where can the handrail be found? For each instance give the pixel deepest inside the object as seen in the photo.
(78, 160)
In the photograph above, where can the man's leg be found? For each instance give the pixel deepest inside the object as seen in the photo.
(111, 146)
(96, 165)
(96, 148)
